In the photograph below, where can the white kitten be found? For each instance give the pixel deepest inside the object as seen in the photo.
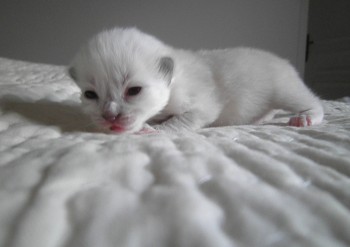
(129, 78)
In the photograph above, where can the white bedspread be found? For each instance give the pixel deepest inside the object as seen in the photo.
(64, 185)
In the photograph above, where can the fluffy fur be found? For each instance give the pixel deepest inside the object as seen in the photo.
(129, 79)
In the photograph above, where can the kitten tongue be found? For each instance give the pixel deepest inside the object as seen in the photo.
(117, 128)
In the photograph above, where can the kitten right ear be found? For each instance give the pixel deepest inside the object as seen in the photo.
(72, 73)
(166, 67)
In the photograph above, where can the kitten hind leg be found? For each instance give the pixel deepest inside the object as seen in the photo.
(307, 115)
(304, 104)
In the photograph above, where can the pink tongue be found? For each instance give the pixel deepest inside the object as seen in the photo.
(117, 128)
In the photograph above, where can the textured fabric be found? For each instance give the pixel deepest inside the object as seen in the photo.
(62, 184)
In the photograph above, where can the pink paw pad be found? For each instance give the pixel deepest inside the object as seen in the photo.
(300, 121)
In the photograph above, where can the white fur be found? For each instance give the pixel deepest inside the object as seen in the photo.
(206, 88)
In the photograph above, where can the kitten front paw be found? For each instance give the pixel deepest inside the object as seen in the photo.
(147, 129)
(300, 121)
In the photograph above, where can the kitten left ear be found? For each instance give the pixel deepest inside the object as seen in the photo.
(166, 67)
(72, 73)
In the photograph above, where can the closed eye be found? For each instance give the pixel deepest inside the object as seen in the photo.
(133, 91)
(89, 94)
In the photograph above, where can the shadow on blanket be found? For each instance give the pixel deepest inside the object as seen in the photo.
(65, 115)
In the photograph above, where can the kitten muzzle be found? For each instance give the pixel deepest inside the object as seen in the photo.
(118, 123)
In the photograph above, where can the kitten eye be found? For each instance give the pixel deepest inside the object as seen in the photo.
(90, 94)
(133, 91)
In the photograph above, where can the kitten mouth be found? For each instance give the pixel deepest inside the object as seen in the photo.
(117, 128)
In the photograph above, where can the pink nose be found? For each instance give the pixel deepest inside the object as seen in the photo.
(110, 117)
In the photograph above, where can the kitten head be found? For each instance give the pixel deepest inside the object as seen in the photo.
(124, 76)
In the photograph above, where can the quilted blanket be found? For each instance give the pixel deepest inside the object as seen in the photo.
(63, 184)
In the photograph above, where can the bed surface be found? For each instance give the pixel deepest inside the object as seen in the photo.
(64, 185)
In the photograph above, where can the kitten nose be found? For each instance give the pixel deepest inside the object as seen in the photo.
(110, 117)
(110, 111)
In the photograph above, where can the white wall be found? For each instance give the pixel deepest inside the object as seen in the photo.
(51, 31)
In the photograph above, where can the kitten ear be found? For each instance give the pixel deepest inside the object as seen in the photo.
(72, 73)
(166, 67)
